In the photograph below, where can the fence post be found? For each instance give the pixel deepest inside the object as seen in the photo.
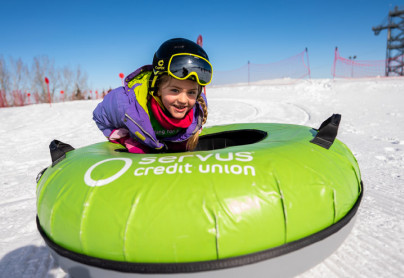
(248, 73)
(308, 63)
(335, 61)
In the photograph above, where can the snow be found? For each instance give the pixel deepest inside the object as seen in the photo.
(372, 127)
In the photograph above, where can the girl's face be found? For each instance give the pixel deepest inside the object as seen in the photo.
(178, 96)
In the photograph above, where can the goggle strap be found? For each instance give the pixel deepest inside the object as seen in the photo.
(152, 90)
(153, 78)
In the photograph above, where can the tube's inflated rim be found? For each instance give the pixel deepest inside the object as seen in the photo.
(204, 265)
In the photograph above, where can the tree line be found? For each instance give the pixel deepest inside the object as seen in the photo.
(22, 84)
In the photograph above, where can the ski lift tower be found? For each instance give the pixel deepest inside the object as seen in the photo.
(395, 42)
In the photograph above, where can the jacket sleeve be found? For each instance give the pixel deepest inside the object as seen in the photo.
(109, 113)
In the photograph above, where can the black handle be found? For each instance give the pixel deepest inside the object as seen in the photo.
(327, 132)
(58, 151)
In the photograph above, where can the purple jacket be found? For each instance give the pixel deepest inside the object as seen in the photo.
(120, 108)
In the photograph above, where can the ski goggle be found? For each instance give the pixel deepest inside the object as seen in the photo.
(184, 65)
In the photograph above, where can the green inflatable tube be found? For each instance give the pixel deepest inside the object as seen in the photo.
(247, 189)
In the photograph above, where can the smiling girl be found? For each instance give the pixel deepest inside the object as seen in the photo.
(161, 108)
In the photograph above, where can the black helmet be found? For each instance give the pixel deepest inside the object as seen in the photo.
(182, 59)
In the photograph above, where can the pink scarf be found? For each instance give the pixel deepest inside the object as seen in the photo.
(169, 122)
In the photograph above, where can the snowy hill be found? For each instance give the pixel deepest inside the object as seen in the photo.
(372, 127)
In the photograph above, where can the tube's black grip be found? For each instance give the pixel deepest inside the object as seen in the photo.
(58, 151)
(327, 132)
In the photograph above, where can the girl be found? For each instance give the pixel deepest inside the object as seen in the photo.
(161, 107)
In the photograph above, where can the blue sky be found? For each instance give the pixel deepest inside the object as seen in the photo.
(109, 37)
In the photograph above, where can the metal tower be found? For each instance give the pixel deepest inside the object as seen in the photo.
(395, 42)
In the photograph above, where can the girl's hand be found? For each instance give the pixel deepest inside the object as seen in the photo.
(118, 134)
(134, 146)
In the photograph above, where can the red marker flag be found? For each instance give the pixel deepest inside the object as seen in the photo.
(121, 75)
(199, 41)
(47, 85)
